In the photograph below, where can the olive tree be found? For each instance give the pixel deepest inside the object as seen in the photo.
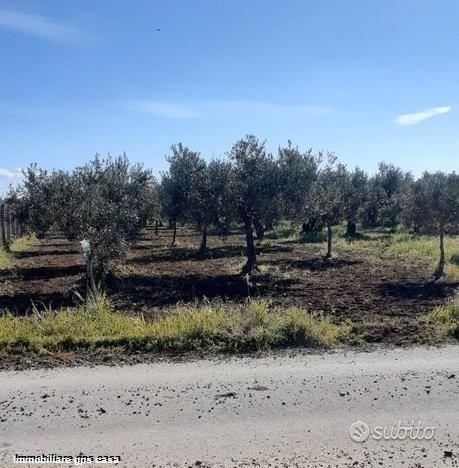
(328, 197)
(33, 200)
(222, 207)
(198, 209)
(176, 187)
(383, 203)
(107, 207)
(297, 173)
(356, 192)
(211, 199)
(150, 204)
(432, 202)
(255, 186)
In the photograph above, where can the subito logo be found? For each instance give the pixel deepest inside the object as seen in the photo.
(359, 431)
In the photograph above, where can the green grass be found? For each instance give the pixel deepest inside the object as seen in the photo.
(405, 245)
(399, 243)
(283, 230)
(207, 327)
(314, 237)
(18, 245)
(443, 321)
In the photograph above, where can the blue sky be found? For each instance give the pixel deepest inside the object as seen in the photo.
(371, 80)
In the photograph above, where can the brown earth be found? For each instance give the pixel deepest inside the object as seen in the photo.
(383, 295)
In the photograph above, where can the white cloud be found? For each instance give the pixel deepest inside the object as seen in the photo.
(40, 26)
(10, 174)
(8, 177)
(418, 117)
(221, 109)
(166, 110)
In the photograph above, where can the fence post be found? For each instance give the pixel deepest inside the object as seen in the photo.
(2, 224)
(7, 224)
(90, 282)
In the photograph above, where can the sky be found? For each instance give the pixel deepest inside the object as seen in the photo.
(369, 80)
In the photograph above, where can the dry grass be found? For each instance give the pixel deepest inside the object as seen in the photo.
(18, 245)
(405, 245)
(443, 321)
(201, 327)
(401, 243)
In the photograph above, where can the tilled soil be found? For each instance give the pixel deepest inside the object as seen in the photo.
(385, 295)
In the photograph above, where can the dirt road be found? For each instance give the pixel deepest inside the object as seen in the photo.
(276, 410)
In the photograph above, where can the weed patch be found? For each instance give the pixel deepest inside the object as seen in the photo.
(443, 321)
(207, 327)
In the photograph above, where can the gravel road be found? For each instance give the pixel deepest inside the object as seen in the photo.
(277, 410)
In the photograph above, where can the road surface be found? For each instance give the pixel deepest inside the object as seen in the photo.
(277, 410)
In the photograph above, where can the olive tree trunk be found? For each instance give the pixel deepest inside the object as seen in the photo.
(174, 232)
(351, 229)
(203, 246)
(310, 226)
(90, 281)
(250, 249)
(329, 241)
(259, 229)
(440, 271)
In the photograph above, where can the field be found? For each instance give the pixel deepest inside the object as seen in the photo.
(379, 288)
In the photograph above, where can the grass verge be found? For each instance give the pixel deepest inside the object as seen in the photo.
(18, 245)
(212, 328)
(443, 321)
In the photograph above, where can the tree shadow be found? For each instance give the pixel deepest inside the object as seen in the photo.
(315, 264)
(144, 247)
(59, 245)
(359, 236)
(228, 251)
(21, 304)
(43, 253)
(56, 237)
(44, 273)
(179, 254)
(176, 254)
(277, 248)
(168, 290)
(420, 291)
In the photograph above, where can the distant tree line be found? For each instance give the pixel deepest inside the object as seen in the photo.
(108, 201)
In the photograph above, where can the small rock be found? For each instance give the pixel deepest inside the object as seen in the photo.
(260, 388)
(226, 395)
